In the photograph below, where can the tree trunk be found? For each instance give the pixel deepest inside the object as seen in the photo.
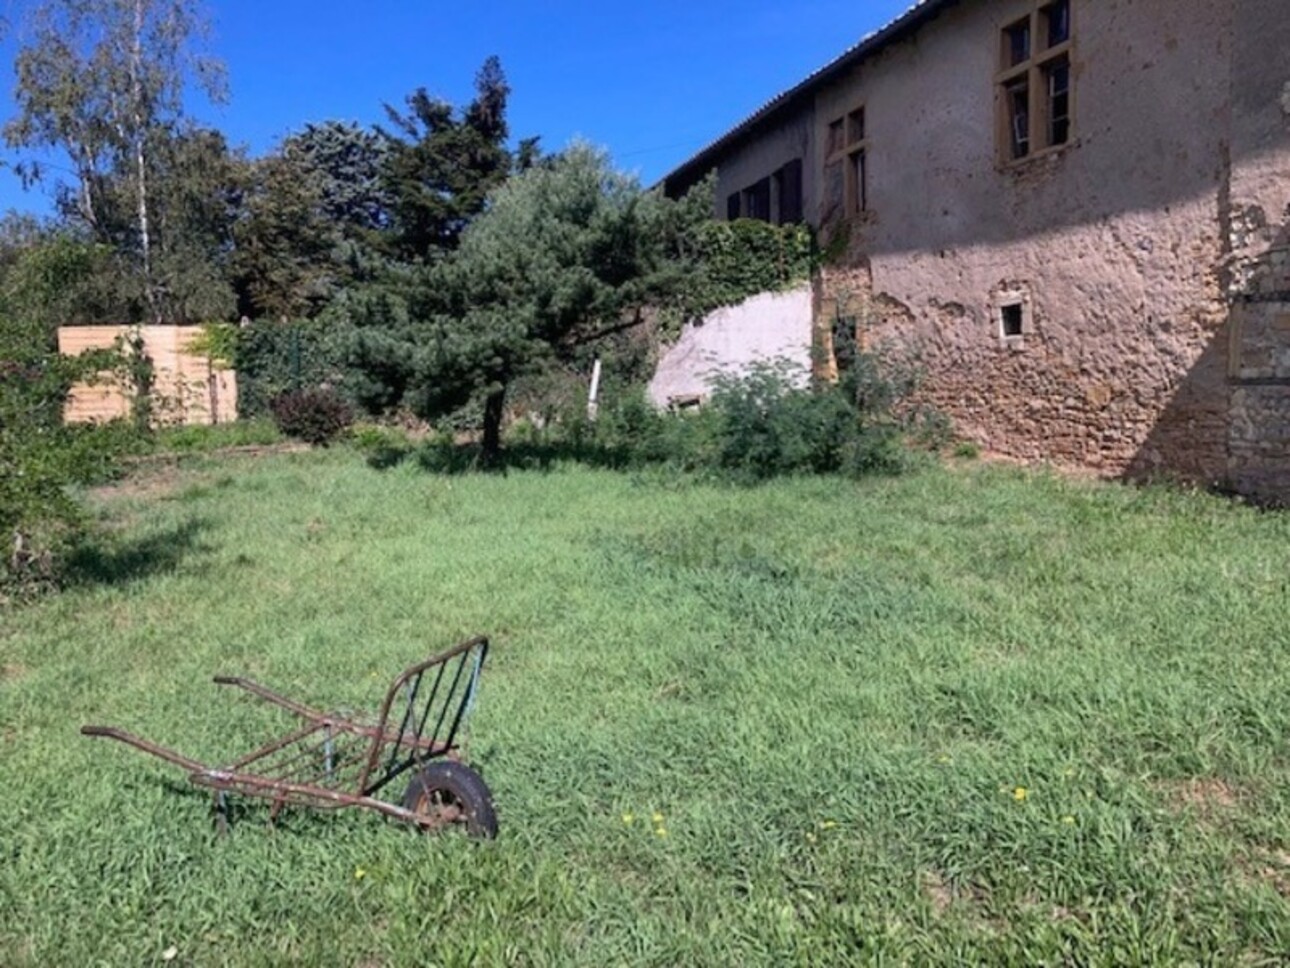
(140, 160)
(494, 410)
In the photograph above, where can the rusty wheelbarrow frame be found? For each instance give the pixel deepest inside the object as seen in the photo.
(333, 761)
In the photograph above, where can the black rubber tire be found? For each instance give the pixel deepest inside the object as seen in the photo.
(456, 784)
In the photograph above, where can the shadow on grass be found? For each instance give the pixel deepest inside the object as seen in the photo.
(107, 560)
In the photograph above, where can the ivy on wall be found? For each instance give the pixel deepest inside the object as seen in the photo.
(733, 261)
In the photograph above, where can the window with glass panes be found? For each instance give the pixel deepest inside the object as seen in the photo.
(1034, 81)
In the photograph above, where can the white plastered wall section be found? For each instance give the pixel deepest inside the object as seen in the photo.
(767, 328)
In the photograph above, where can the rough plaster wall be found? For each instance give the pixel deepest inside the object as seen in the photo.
(1115, 243)
(763, 156)
(767, 327)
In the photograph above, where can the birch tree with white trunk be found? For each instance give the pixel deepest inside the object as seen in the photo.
(100, 81)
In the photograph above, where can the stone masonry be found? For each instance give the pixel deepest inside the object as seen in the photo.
(1120, 301)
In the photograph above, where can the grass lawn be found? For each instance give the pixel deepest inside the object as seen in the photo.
(967, 715)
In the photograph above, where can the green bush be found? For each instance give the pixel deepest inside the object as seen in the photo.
(769, 421)
(317, 415)
(40, 459)
(383, 446)
(273, 358)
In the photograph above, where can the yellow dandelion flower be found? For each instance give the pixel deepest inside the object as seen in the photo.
(1021, 794)
(944, 759)
(661, 832)
(629, 818)
(828, 824)
(359, 873)
(1069, 821)
(658, 817)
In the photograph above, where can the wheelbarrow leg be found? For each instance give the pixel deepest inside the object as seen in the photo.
(219, 810)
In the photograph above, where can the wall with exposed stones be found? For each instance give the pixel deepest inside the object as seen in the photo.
(1120, 302)
(1257, 219)
(1112, 245)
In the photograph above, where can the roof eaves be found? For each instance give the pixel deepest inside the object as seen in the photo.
(911, 19)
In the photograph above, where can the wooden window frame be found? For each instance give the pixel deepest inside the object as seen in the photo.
(1035, 72)
(845, 150)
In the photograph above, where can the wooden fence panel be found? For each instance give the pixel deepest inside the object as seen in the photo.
(186, 388)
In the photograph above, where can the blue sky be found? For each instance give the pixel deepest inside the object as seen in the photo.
(651, 82)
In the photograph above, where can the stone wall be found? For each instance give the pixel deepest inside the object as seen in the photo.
(1112, 246)
(1257, 218)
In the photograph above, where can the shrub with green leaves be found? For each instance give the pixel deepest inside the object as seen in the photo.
(273, 358)
(772, 420)
(40, 458)
(317, 415)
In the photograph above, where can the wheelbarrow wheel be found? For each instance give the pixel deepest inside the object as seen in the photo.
(447, 793)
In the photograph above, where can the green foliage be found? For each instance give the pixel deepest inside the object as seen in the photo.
(563, 255)
(316, 415)
(442, 166)
(771, 423)
(55, 279)
(272, 358)
(218, 342)
(197, 187)
(199, 439)
(103, 82)
(766, 422)
(39, 457)
(724, 263)
(138, 376)
(315, 213)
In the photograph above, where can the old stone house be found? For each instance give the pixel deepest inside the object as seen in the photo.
(1077, 212)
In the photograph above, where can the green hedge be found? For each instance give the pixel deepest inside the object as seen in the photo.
(277, 357)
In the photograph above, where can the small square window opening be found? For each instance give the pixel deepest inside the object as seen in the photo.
(1012, 320)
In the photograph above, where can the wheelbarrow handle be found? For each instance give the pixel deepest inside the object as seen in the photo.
(169, 755)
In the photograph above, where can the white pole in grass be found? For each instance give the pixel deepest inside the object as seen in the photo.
(593, 401)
